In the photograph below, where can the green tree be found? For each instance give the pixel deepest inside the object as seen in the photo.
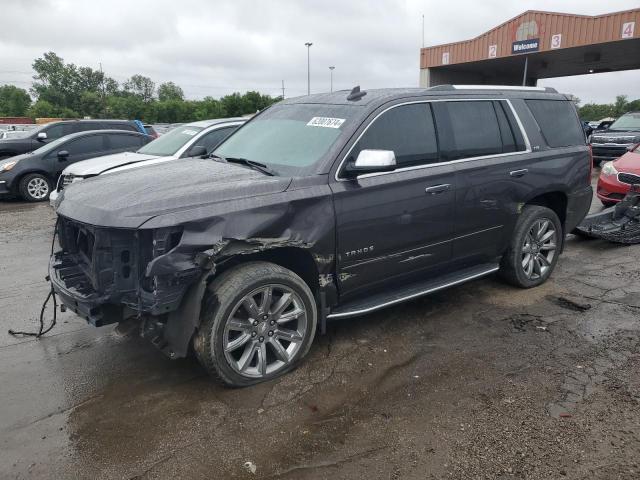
(209, 108)
(170, 91)
(140, 86)
(14, 101)
(619, 106)
(91, 104)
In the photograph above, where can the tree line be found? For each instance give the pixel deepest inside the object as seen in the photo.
(66, 90)
(595, 111)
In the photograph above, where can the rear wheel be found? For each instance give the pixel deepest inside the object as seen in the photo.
(533, 252)
(34, 187)
(258, 323)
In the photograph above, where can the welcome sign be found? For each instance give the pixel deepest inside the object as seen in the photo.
(525, 46)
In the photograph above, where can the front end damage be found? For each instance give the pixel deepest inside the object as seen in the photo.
(155, 278)
(618, 224)
(103, 274)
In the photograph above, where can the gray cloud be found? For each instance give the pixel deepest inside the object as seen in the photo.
(214, 48)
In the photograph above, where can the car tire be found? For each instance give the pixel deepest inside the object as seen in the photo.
(240, 348)
(531, 257)
(34, 187)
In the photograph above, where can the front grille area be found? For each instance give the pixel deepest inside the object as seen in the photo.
(629, 178)
(616, 140)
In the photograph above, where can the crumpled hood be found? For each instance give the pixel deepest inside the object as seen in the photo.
(129, 198)
(98, 165)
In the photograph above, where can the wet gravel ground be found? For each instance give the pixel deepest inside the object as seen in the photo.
(479, 381)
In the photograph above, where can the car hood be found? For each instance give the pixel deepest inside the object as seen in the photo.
(129, 198)
(98, 165)
(629, 163)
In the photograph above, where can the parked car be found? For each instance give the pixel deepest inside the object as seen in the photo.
(613, 182)
(192, 139)
(324, 207)
(44, 134)
(614, 141)
(33, 175)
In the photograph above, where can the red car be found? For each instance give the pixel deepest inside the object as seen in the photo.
(611, 185)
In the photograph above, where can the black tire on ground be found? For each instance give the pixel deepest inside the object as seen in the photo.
(28, 183)
(223, 294)
(511, 268)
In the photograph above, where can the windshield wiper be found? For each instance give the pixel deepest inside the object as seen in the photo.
(261, 167)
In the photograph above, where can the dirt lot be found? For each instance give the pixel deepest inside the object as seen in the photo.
(480, 381)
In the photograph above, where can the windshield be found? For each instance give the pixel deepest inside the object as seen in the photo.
(629, 121)
(51, 145)
(289, 139)
(169, 143)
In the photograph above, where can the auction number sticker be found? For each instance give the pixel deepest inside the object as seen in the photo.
(191, 133)
(326, 122)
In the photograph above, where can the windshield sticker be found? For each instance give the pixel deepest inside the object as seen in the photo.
(325, 122)
(190, 132)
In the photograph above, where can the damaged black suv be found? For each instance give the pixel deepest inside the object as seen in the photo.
(321, 207)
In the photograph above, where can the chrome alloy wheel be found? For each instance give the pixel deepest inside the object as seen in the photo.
(539, 248)
(265, 331)
(38, 188)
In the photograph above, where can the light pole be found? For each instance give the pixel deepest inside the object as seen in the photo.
(308, 45)
(331, 69)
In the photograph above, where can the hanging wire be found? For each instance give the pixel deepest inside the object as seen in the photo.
(51, 295)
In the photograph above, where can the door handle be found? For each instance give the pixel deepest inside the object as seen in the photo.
(519, 173)
(436, 189)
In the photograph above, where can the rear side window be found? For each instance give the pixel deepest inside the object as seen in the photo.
(90, 144)
(473, 129)
(408, 130)
(558, 122)
(125, 142)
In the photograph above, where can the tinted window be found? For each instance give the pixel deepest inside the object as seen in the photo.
(86, 126)
(558, 122)
(90, 144)
(212, 139)
(124, 142)
(120, 126)
(408, 130)
(473, 129)
(169, 143)
(54, 132)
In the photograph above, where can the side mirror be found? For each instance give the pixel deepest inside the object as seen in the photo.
(371, 161)
(42, 136)
(63, 155)
(197, 151)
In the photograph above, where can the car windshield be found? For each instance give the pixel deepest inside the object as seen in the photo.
(289, 139)
(169, 143)
(629, 121)
(51, 145)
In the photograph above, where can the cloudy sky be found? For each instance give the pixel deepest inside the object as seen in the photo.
(217, 47)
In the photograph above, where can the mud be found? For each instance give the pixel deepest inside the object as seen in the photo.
(479, 381)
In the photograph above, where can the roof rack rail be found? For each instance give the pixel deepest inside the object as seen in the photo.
(494, 87)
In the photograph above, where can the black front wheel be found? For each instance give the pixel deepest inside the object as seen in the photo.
(34, 187)
(258, 323)
(534, 249)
